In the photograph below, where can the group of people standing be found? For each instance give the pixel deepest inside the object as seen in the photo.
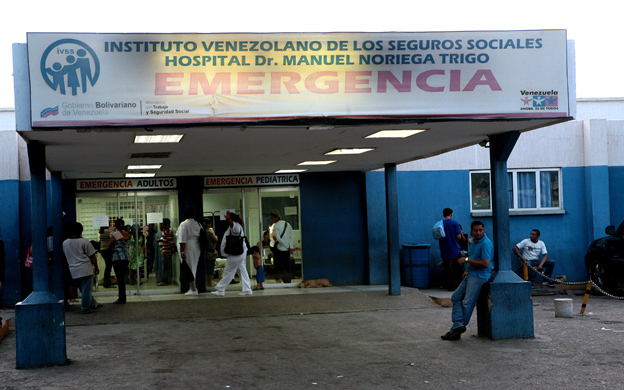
(465, 272)
(278, 238)
(116, 249)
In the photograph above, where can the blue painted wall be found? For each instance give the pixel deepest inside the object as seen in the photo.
(377, 230)
(25, 230)
(423, 196)
(616, 194)
(597, 202)
(11, 291)
(344, 223)
(333, 220)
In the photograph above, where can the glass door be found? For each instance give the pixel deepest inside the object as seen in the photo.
(141, 212)
(254, 206)
(215, 203)
(286, 201)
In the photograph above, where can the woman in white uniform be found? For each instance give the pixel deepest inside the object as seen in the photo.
(234, 262)
(188, 245)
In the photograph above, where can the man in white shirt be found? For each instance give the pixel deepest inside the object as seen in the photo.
(532, 248)
(80, 256)
(282, 234)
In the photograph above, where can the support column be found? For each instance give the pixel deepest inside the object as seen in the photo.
(40, 318)
(392, 222)
(56, 221)
(505, 309)
(597, 202)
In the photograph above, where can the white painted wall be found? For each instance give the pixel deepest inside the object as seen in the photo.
(611, 108)
(596, 137)
(9, 155)
(7, 119)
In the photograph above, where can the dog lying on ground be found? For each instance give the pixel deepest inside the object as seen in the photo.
(315, 283)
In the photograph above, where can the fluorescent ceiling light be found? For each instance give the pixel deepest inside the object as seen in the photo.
(394, 133)
(144, 166)
(325, 162)
(140, 174)
(158, 139)
(349, 151)
(321, 127)
(290, 170)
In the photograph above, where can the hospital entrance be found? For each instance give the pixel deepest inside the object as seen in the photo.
(141, 211)
(254, 206)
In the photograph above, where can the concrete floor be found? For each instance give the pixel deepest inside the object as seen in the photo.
(356, 337)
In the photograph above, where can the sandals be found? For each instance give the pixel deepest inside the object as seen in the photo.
(98, 305)
(119, 302)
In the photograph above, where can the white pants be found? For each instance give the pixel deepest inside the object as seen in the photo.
(233, 264)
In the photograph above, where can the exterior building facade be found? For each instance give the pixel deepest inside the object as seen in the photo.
(565, 180)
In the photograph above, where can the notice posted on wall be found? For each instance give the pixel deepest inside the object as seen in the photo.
(100, 221)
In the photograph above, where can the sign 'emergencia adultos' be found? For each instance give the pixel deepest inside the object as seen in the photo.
(134, 79)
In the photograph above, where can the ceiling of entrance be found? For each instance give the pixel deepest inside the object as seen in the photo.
(257, 149)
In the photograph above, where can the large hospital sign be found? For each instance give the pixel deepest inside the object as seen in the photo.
(137, 79)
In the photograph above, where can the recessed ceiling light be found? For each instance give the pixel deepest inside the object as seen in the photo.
(140, 174)
(158, 139)
(321, 127)
(324, 162)
(290, 170)
(144, 166)
(349, 151)
(394, 133)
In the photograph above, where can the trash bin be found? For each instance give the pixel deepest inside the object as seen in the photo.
(415, 265)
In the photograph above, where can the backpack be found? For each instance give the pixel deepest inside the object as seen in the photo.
(203, 239)
(438, 230)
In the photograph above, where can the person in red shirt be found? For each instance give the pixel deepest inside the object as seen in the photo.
(168, 249)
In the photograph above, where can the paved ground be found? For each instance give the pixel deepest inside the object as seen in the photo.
(333, 338)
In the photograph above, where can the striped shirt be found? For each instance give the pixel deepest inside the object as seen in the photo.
(168, 244)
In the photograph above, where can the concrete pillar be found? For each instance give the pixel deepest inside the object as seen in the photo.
(505, 309)
(190, 190)
(55, 219)
(40, 318)
(598, 206)
(392, 221)
(11, 291)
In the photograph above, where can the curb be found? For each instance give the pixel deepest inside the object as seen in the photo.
(4, 329)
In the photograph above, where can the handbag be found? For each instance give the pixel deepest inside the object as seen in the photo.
(234, 244)
(438, 230)
(186, 275)
(203, 239)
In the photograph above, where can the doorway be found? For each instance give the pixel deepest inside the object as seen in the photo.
(254, 206)
(142, 211)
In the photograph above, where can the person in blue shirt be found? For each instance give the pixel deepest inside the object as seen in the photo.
(478, 271)
(453, 271)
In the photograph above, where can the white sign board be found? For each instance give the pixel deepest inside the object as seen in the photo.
(125, 184)
(154, 218)
(252, 180)
(142, 79)
(223, 212)
(100, 220)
